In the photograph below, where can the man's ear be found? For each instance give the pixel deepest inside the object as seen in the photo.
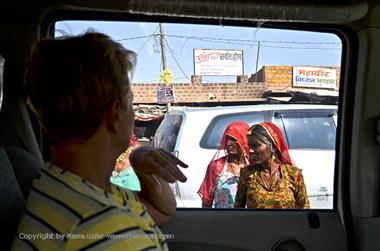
(111, 118)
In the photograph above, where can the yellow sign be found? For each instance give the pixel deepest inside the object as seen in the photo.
(166, 76)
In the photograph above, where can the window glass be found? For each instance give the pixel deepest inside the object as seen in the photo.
(310, 130)
(214, 132)
(167, 133)
(261, 72)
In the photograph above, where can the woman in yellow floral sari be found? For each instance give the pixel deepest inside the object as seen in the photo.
(272, 180)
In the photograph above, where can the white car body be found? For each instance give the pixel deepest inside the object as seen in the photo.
(317, 164)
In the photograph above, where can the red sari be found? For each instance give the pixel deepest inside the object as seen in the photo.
(238, 130)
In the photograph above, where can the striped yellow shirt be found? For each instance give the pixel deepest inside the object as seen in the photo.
(65, 212)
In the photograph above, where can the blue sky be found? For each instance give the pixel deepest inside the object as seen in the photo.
(277, 47)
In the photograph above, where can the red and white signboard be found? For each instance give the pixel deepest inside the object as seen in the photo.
(314, 77)
(215, 62)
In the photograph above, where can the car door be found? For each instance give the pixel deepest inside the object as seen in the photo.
(356, 208)
(250, 229)
(242, 229)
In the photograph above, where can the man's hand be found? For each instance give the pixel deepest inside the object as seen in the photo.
(156, 161)
(155, 168)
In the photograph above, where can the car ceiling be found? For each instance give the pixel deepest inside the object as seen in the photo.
(328, 11)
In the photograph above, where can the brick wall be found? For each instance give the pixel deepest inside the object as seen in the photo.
(275, 78)
(198, 92)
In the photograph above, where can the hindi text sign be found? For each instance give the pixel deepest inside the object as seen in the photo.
(314, 77)
(217, 62)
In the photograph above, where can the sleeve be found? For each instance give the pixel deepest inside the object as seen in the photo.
(241, 194)
(302, 200)
(207, 187)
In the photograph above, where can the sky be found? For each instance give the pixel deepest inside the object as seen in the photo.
(277, 46)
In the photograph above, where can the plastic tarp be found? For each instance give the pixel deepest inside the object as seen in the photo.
(149, 112)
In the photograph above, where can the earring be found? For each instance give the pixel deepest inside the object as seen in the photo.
(273, 156)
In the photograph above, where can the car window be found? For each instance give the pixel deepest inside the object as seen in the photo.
(309, 130)
(214, 132)
(167, 133)
(184, 66)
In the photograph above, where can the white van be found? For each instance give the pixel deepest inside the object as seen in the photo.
(194, 134)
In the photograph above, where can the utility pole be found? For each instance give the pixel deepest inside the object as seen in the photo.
(163, 49)
(163, 54)
(257, 59)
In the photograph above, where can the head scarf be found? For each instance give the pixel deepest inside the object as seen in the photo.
(237, 130)
(275, 135)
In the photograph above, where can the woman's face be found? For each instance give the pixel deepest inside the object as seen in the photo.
(259, 151)
(232, 146)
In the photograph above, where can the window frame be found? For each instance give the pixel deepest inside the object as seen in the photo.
(346, 94)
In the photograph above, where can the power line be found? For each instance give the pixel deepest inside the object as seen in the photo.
(244, 42)
(131, 38)
(183, 46)
(175, 59)
(249, 41)
(301, 48)
(255, 42)
(149, 38)
(272, 46)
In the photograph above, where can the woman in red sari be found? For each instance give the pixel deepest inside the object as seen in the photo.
(219, 186)
(272, 180)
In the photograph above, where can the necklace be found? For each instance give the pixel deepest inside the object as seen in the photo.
(231, 167)
(124, 156)
(236, 160)
(270, 178)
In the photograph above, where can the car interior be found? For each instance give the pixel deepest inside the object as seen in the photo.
(354, 221)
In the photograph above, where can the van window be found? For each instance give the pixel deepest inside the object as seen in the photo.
(214, 132)
(167, 133)
(310, 130)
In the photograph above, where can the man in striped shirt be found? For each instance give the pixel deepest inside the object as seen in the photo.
(79, 88)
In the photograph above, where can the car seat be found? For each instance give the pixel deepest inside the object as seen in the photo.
(18, 169)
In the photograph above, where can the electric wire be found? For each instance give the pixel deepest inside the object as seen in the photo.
(175, 59)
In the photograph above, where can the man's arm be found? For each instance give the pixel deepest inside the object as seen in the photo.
(155, 168)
